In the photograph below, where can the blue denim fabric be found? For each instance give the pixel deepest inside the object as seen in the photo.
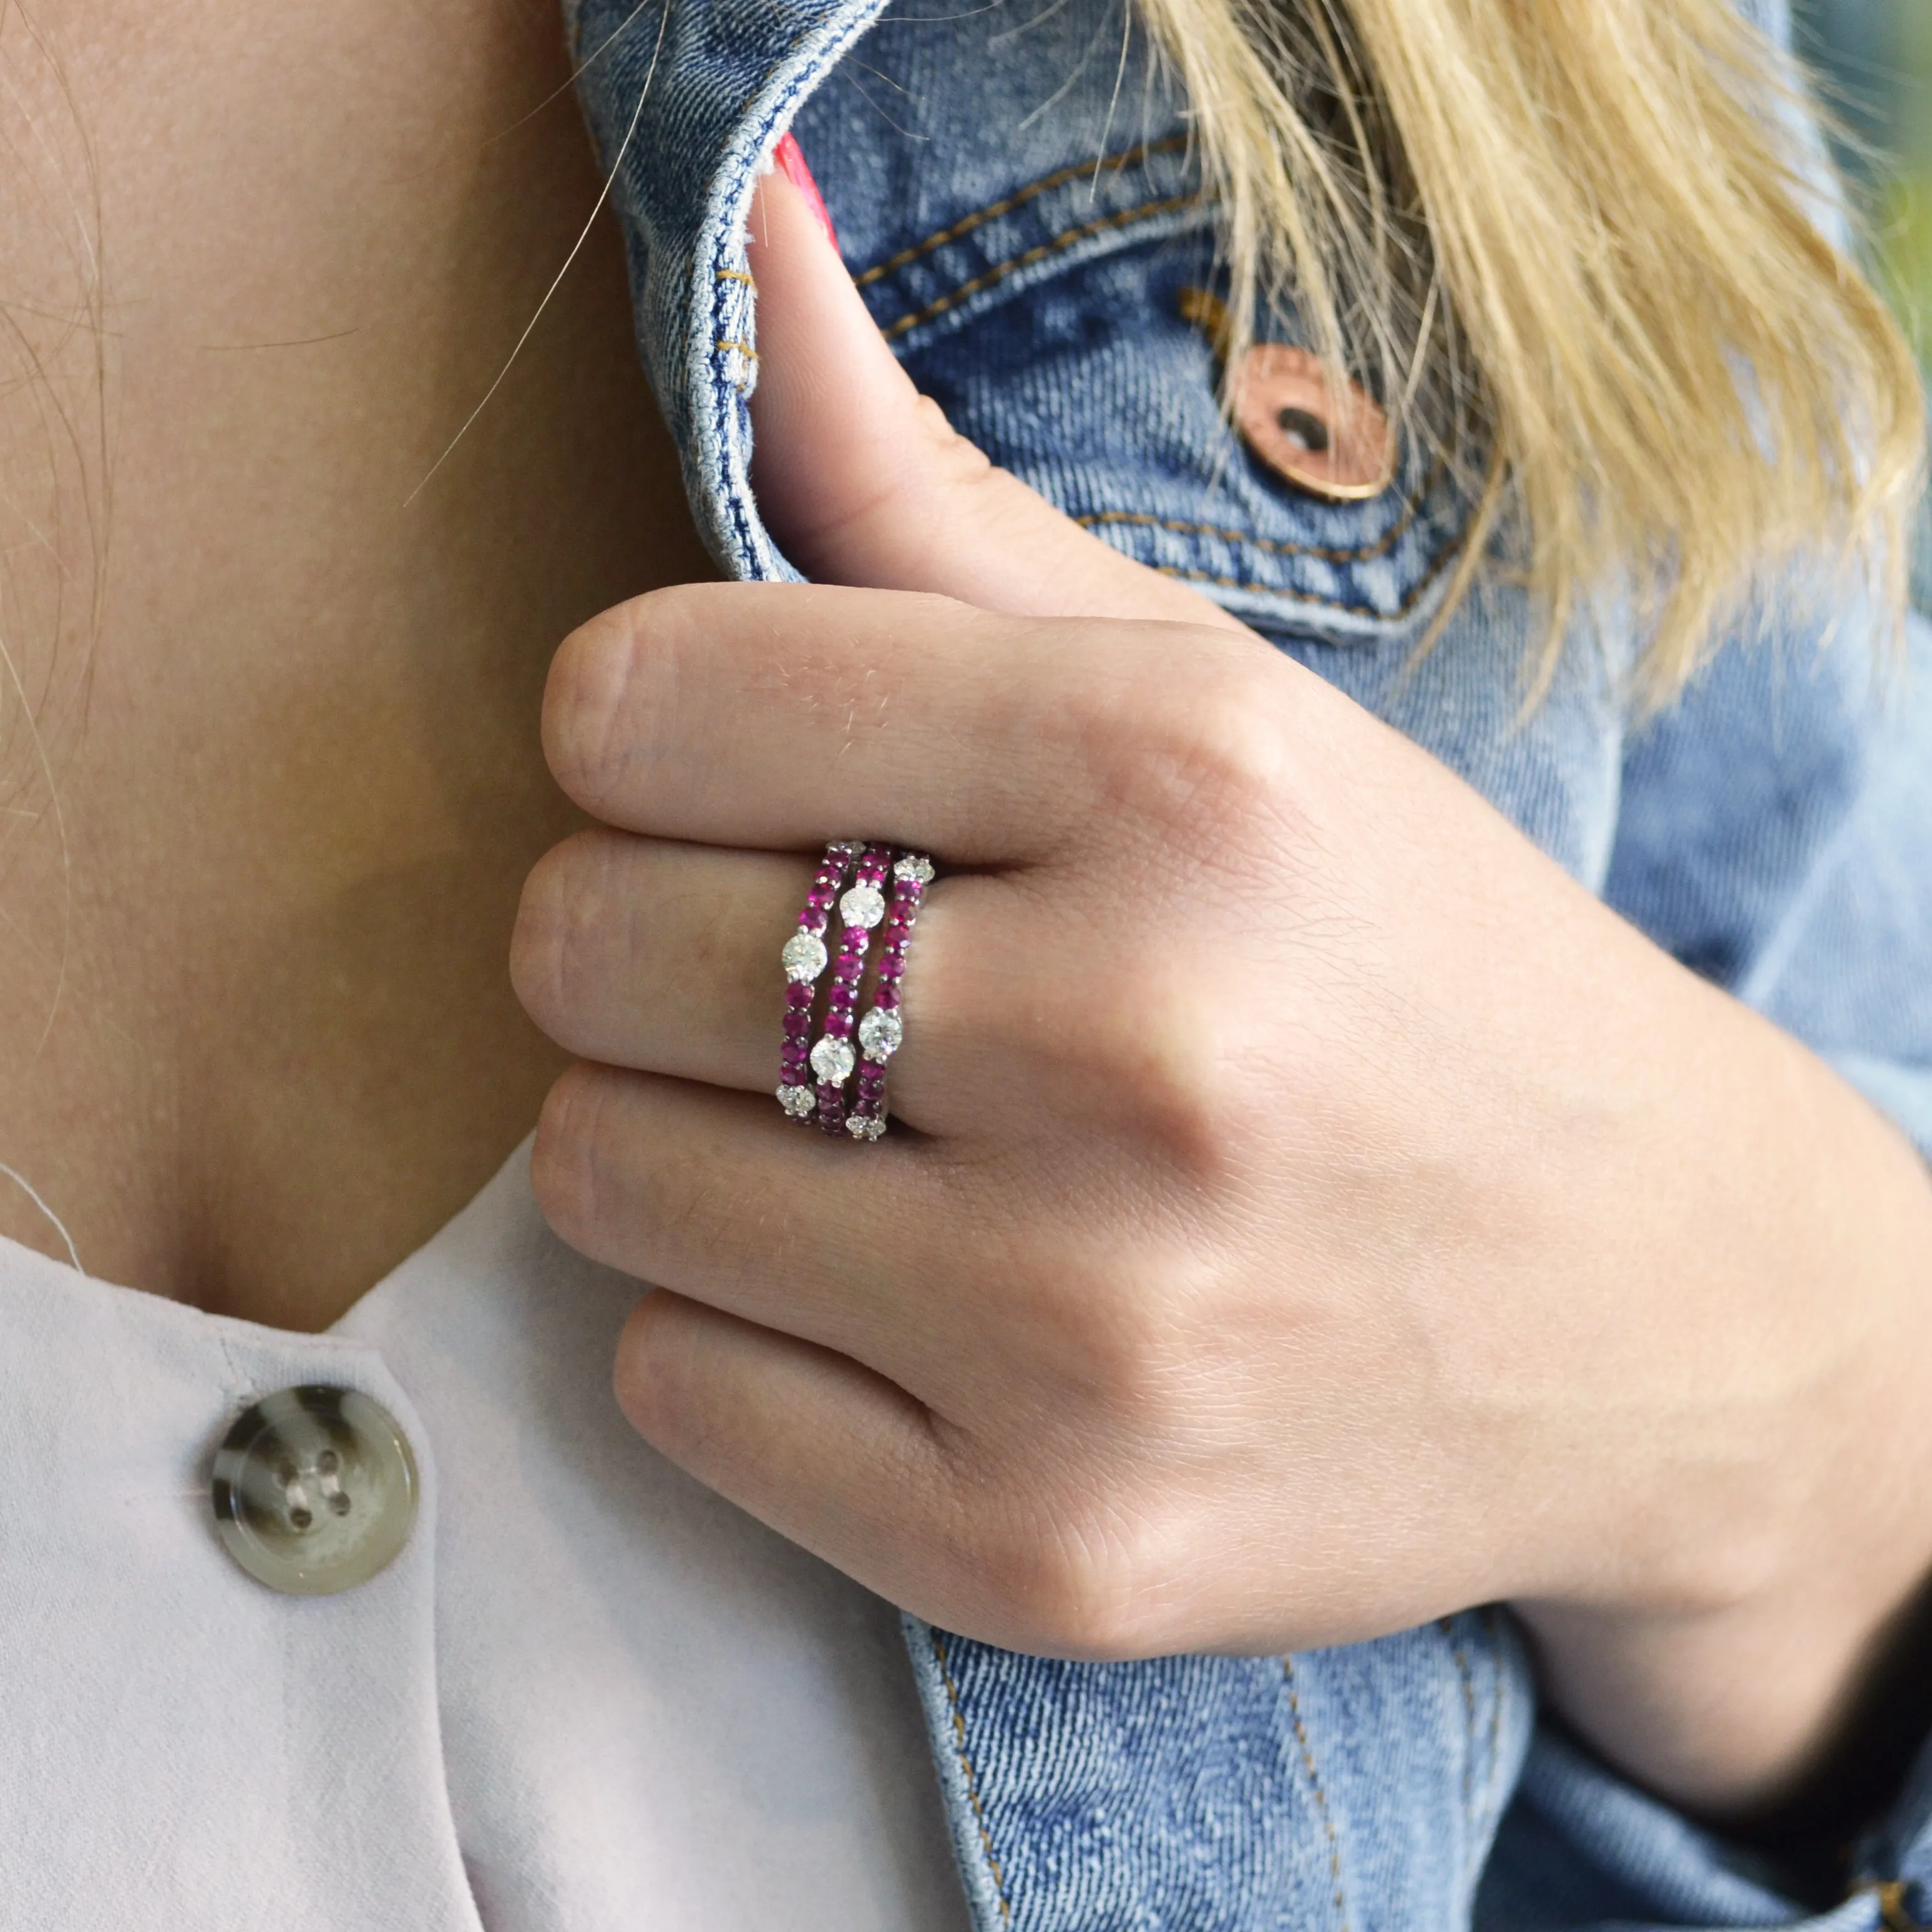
(1015, 196)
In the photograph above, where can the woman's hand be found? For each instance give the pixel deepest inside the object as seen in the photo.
(1318, 1213)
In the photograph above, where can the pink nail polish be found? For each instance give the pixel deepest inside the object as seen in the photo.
(790, 159)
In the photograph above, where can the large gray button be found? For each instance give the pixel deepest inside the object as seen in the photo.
(315, 1489)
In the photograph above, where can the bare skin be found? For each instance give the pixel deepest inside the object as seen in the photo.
(256, 1036)
(1320, 1214)
(255, 1028)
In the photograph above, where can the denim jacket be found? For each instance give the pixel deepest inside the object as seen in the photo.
(1016, 198)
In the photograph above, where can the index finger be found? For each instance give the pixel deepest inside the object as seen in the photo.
(784, 715)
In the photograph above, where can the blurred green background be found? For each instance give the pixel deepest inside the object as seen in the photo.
(1874, 58)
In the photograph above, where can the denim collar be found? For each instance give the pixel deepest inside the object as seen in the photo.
(686, 103)
(1045, 144)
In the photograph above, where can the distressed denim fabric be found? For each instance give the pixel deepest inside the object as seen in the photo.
(1016, 197)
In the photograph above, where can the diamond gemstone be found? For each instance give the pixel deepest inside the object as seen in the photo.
(915, 866)
(833, 1059)
(863, 906)
(804, 956)
(797, 1101)
(880, 1033)
(861, 1129)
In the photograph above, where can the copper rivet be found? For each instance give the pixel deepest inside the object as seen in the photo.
(1339, 447)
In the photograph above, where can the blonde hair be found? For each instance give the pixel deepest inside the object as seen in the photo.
(1575, 248)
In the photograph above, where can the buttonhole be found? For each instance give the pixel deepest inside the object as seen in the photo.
(1305, 430)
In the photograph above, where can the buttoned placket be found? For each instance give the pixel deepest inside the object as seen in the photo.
(195, 1740)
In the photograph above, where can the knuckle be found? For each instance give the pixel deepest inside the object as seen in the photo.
(1133, 1368)
(552, 943)
(1194, 1105)
(1071, 1535)
(610, 685)
(1206, 756)
(1225, 756)
(666, 1379)
(1113, 1335)
(652, 1374)
(1083, 1583)
(959, 460)
(1156, 1043)
(569, 1159)
(1744, 1558)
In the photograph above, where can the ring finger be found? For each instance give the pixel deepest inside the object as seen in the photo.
(663, 957)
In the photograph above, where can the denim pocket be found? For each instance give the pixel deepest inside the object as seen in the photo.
(1021, 204)
(1093, 384)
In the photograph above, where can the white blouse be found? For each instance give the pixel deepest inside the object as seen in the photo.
(587, 1694)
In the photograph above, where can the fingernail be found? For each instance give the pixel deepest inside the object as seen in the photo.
(790, 158)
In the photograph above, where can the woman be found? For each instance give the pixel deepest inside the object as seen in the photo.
(1320, 1216)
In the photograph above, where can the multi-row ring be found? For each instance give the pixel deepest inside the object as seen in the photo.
(812, 1075)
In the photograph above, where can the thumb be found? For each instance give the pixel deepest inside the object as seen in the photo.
(862, 480)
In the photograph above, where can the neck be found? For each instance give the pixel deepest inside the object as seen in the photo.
(265, 836)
